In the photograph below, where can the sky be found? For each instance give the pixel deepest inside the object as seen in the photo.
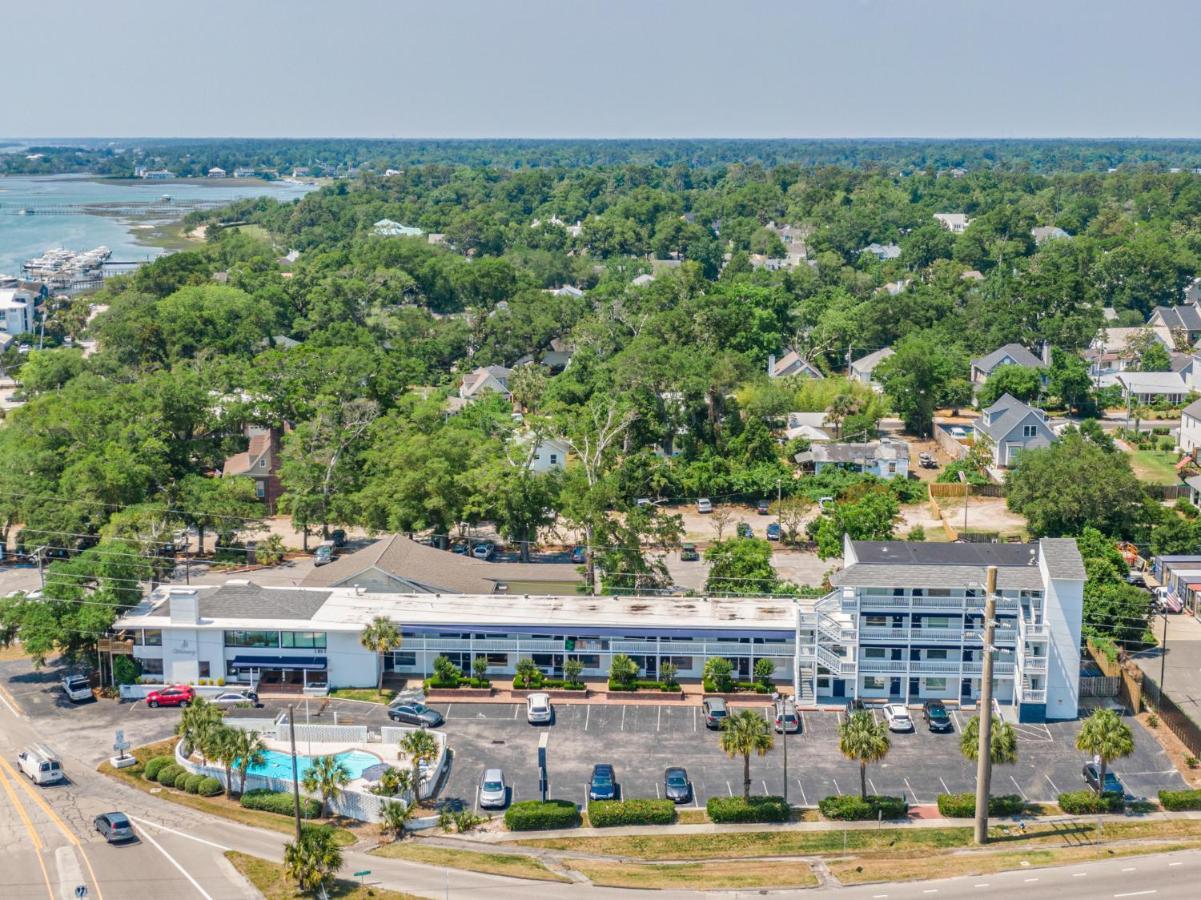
(601, 68)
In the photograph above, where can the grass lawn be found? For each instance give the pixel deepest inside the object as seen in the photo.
(746, 875)
(273, 884)
(1155, 466)
(370, 695)
(217, 806)
(692, 817)
(511, 864)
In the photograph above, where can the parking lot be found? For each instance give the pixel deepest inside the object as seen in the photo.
(640, 741)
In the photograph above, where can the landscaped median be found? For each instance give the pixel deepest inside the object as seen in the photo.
(271, 880)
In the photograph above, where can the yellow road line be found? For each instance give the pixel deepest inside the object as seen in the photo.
(54, 817)
(33, 834)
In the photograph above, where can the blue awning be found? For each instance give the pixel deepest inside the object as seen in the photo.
(279, 662)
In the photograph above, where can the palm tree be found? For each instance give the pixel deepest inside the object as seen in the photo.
(221, 744)
(313, 860)
(196, 722)
(742, 735)
(249, 750)
(395, 816)
(864, 740)
(394, 781)
(326, 776)
(1003, 742)
(421, 747)
(1106, 737)
(381, 636)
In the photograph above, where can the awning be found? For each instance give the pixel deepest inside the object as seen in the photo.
(279, 662)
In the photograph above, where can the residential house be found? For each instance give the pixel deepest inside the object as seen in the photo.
(484, 379)
(1011, 427)
(956, 223)
(260, 462)
(884, 458)
(864, 368)
(1183, 320)
(1192, 292)
(882, 252)
(1189, 437)
(812, 426)
(566, 290)
(549, 454)
(388, 228)
(1044, 233)
(216, 172)
(156, 174)
(1113, 349)
(791, 363)
(642, 280)
(245, 172)
(16, 311)
(1009, 355)
(1148, 387)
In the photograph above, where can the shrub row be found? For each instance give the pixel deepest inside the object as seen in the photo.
(607, 813)
(167, 774)
(209, 787)
(280, 802)
(709, 686)
(757, 809)
(848, 808)
(641, 686)
(192, 783)
(1087, 802)
(1177, 800)
(154, 766)
(534, 815)
(963, 806)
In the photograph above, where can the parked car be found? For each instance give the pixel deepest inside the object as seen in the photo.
(232, 699)
(1136, 578)
(715, 711)
(415, 714)
(77, 688)
(579, 555)
(324, 554)
(854, 705)
(114, 826)
(774, 532)
(177, 695)
(538, 710)
(676, 786)
(704, 505)
(744, 530)
(957, 432)
(688, 553)
(484, 550)
(788, 721)
(603, 783)
(936, 716)
(459, 548)
(338, 536)
(1092, 776)
(763, 507)
(494, 794)
(927, 461)
(897, 715)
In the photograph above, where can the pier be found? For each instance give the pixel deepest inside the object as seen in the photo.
(151, 207)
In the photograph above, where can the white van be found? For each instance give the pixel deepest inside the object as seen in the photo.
(40, 765)
(77, 688)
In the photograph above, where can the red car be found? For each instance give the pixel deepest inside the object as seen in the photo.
(178, 695)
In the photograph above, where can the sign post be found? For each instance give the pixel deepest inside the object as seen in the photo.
(120, 744)
(543, 777)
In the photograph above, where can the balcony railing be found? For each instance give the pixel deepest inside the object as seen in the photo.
(1004, 604)
(972, 636)
(934, 667)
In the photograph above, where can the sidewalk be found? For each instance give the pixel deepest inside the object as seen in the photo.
(598, 692)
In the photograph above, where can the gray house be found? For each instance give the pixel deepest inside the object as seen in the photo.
(1009, 355)
(1011, 427)
(863, 369)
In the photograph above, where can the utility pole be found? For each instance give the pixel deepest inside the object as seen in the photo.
(984, 749)
(1163, 658)
(963, 481)
(295, 775)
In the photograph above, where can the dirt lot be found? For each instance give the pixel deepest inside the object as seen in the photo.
(983, 514)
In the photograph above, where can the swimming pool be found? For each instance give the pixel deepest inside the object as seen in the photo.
(279, 765)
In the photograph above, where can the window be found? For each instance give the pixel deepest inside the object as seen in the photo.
(151, 666)
(252, 639)
(936, 654)
(499, 660)
(936, 684)
(871, 683)
(936, 622)
(260, 489)
(152, 637)
(876, 621)
(262, 462)
(588, 660)
(1029, 431)
(407, 658)
(303, 640)
(873, 652)
(682, 663)
(205, 669)
(554, 459)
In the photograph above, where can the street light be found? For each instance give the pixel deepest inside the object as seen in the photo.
(963, 481)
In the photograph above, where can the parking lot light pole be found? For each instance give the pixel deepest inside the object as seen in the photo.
(295, 775)
(984, 748)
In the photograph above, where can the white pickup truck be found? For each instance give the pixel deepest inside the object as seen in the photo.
(77, 688)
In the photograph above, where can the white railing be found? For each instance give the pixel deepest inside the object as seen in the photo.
(836, 664)
(1034, 663)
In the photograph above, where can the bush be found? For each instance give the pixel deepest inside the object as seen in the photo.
(181, 779)
(192, 783)
(280, 802)
(607, 813)
(209, 787)
(126, 670)
(534, 815)
(154, 766)
(758, 809)
(167, 774)
(1177, 800)
(963, 806)
(1087, 802)
(848, 808)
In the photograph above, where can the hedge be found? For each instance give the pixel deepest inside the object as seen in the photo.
(849, 808)
(534, 815)
(167, 774)
(709, 686)
(1087, 802)
(209, 787)
(757, 809)
(192, 783)
(154, 766)
(1176, 800)
(607, 813)
(963, 806)
(181, 779)
(280, 802)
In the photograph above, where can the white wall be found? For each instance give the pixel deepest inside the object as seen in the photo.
(350, 664)
(1190, 434)
(181, 655)
(1064, 607)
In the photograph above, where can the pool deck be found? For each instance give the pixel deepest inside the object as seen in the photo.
(388, 754)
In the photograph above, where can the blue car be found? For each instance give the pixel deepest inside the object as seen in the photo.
(774, 531)
(1092, 773)
(603, 784)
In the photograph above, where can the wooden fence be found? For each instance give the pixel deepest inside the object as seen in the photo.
(956, 489)
(1167, 491)
(1171, 715)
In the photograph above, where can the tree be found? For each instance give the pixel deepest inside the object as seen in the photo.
(719, 672)
(249, 750)
(126, 670)
(479, 668)
(197, 722)
(1107, 738)
(1176, 536)
(1020, 382)
(742, 734)
(1003, 743)
(720, 519)
(326, 775)
(623, 671)
(395, 816)
(421, 747)
(1068, 379)
(1074, 484)
(765, 671)
(380, 636)
(572, 670)
(313, 860)
(1155, 359)
(862, 739)
(219, 744)
(526, 670)
(742, 566)
(669, 673)
(222, 505)
(919, 377)
(870, 518)
(790, 513)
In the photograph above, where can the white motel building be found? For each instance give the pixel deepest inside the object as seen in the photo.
(904, 622)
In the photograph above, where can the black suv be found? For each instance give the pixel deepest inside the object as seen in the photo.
(936, 716)
(603, 784)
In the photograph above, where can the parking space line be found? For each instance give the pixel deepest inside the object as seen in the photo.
(873, 784)
(659, 719)
(587, 715)
(765, 787)
(1052, 783)
(958, 725)
(656, 790)
(623, 717)
(837, 789)
(729, 789)
(945, 789)
(804, 799)
(1019, 787)
(476, 805)
(516, 710)
(802, 716)
(912, 791)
